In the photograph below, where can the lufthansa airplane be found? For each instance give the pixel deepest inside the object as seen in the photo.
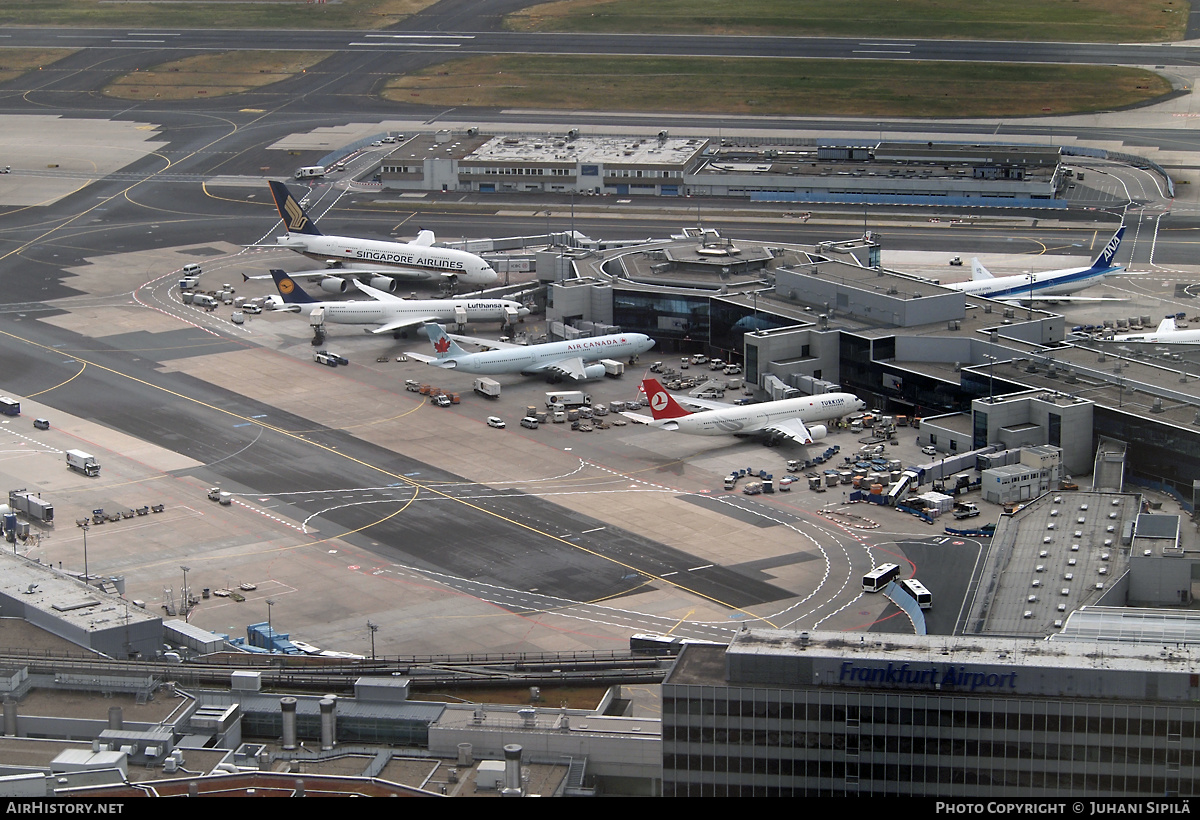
(391, 314)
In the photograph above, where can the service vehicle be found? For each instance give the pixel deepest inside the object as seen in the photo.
(310, 172)
(880, 577)
(965, 510)
(487, 387)
(324, 358)
(568, 398)
(919, 593)
(83, 462)
(529, 422)
(41, 424)
(495, 421)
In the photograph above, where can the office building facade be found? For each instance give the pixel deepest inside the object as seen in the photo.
(792, 714)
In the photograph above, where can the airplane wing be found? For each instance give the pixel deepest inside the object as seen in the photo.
(793, 429)
(703, 404)
(1020, 301)
(572, 368)
(378, 295)
(402, 324)
(491, 344)
(637, 418)
(425, 358)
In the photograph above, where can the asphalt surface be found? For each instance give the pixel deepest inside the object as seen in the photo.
(335, 481)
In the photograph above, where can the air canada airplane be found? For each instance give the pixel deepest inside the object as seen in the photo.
(1050, 286)
(379, 263)
(553, 359)
(391, 314)
(786, 418)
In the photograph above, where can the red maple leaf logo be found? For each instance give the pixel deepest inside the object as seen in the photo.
(442, 345)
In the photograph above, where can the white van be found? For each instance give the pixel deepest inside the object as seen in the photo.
(530, 422)
(191, 270)
(495, 421)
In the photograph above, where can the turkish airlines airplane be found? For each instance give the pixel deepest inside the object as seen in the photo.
(786, 418)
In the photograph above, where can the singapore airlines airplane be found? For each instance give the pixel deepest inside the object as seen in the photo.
(1050, 286)
(786, 418)
(381, 263)
(391, 314)
(553, 359)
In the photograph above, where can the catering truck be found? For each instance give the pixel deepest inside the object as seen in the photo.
(84, 463)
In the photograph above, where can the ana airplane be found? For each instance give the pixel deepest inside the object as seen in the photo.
(1167, 334)
(786, 418)
(391, 314)
(553, 359)
(1050, 286)
(382, 263)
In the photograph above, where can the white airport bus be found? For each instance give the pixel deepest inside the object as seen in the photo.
(880, 577)
(918, 592)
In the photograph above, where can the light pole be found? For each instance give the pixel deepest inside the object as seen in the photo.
(270, 629)
(374, 628)
(184, 596)
(991, 378)
(84, 527)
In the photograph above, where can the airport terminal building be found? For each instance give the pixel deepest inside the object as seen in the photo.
(828, 714)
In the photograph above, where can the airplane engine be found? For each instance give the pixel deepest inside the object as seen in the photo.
(385, 283)
(818, 431)
(333, 284)
(594, 371)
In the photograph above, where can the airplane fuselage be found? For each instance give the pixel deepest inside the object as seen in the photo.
(409, 261)
(1174, 337)
(1057, 283)
(534, 358)
(755, 417)
(363, 312)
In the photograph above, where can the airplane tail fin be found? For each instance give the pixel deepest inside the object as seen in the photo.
(294, 217)
(662, 404)
(443, 346)
(1105, 260)
(1167, 325)
(978, 271)
(424, 239)
(292, 293)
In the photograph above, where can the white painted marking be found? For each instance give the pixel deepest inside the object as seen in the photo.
(401, 45)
